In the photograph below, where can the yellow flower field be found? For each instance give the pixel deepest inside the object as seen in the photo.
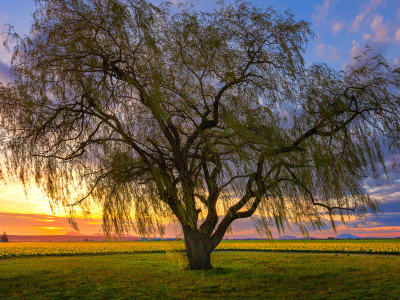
(9, 250)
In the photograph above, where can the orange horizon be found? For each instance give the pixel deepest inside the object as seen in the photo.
(45, 224)
(31, 215)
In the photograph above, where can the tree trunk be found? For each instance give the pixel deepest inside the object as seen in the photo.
(198, 248)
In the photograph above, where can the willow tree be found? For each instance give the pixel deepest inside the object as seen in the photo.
(157, 116)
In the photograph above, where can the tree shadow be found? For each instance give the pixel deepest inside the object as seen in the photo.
(219, 271)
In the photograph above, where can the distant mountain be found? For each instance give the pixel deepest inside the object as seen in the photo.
(289, 237)
(74, 233)
(347, 236)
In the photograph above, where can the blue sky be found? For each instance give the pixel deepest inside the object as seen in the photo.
(342, 28)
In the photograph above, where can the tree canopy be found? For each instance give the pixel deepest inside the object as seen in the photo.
(159, 116)
(4, 237)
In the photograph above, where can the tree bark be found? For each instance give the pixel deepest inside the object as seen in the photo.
(198, 247)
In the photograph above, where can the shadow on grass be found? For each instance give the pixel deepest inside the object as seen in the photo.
(219, 271)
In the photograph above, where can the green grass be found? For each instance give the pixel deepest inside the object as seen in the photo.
(237, 275)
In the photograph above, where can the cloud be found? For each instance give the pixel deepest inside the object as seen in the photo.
(204, 5)
(383, 220)
(357, 22)
(396, 62)
(3, 19)
(392, 206)
(322, 11)
(362, 18)
(367, 36)
(36, 224)
(327, 51)
(5, 61)
(397, 35)
(384, 225)
(336, 27)
(375, 48)
(5, 75)
(5, 55)
(379, 29)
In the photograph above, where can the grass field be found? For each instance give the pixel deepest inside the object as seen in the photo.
(10, 250)
(237, 275)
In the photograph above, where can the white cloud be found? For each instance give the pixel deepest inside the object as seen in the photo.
(397, 35)
(396, 62)
(324, 51)
(336, 27)
(379, 29)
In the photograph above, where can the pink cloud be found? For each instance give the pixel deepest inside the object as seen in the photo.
(37, 224)
(5, 54)
(357, 22)
(322, 11)
(397, 35)
(5, 75)
(356, 50)
(379, 29)
(327, 51)
(367, 36)
(362, 18)
(336, 27)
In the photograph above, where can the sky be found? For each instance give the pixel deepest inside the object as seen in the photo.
(343, 29)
